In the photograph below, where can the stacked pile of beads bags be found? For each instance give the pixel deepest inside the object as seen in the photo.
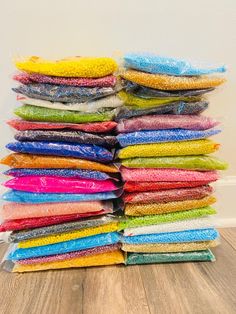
(59, 209)
(165, 161)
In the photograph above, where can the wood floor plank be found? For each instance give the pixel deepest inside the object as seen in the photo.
(229, 235)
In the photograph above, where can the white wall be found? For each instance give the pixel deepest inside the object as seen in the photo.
(199, 30)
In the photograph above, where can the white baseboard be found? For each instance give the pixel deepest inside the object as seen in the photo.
(225, 222)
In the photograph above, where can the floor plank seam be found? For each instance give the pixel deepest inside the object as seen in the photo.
(144, 289)
(228, 242)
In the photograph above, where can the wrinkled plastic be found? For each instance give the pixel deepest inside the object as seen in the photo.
(63, 93)
(18, 160)
(70, 67)
(190, 224)
(139, 209)
(166, 82)
(39, 198)
(29, 223)
(133, 222)
(198, 162)
(147, 92)
(139, 186)
(65, 247)
(170, 247)
(68, 236)
(165, 175)
(153, 63)
(168, 195)
(47, 184)
(18, 236)
(163, 136)
(64, 173)
(138, 102)
(11, 211)
(102, 259)
(83, 151)
(28, 78)
(157, 122)
(94, 106)
(99, 127)
(158, 258)
(195, 147)
(176, 108)
(66, 136)
(33, 113)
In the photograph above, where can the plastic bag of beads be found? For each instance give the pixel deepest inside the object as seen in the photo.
(190, 224)
(29, 78)
(66, 136)
(165, 175)
(18, 160)
(93, 106)
(153, 63)
(64, 247)
(64, 173)
(63, 93)
(102, 259)
(33, 113)
(163, 136)
(39, 198)
(147, 92)
(140, 209)
(48, 184)
(83, 151)
(157, 122)
(170, 247)
(142, 186)
(97, 127)
(175, 108)
(91, 67)
(168, 195)
(198, 162)
(166, 82)
(32, 223)
(84, 224)
(157, 258)
(135, 222)
(11, 211)
(138, 102)
(195, 147)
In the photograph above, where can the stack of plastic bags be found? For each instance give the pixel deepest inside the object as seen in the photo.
(166, 161)
(59, 208)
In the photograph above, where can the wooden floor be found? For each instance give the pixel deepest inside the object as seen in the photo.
(164, 288)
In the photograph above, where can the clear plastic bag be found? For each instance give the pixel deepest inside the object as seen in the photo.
(153, 63)
(157, 258)
(12, 211)
(105, 103)
(33, 113)
(96, 127)
(176, 108)
(162, 122)
(40, 198)
(28, 78)
(90, 67)
(198, 162)
(66, 136)
(168, 195)
(83, 151)
(195, 147)
(134, 222)
(163, 136)
(190, 224)
(47, 184)
(18, 160)
(139, 209)
(165, 175)
(166, 82)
